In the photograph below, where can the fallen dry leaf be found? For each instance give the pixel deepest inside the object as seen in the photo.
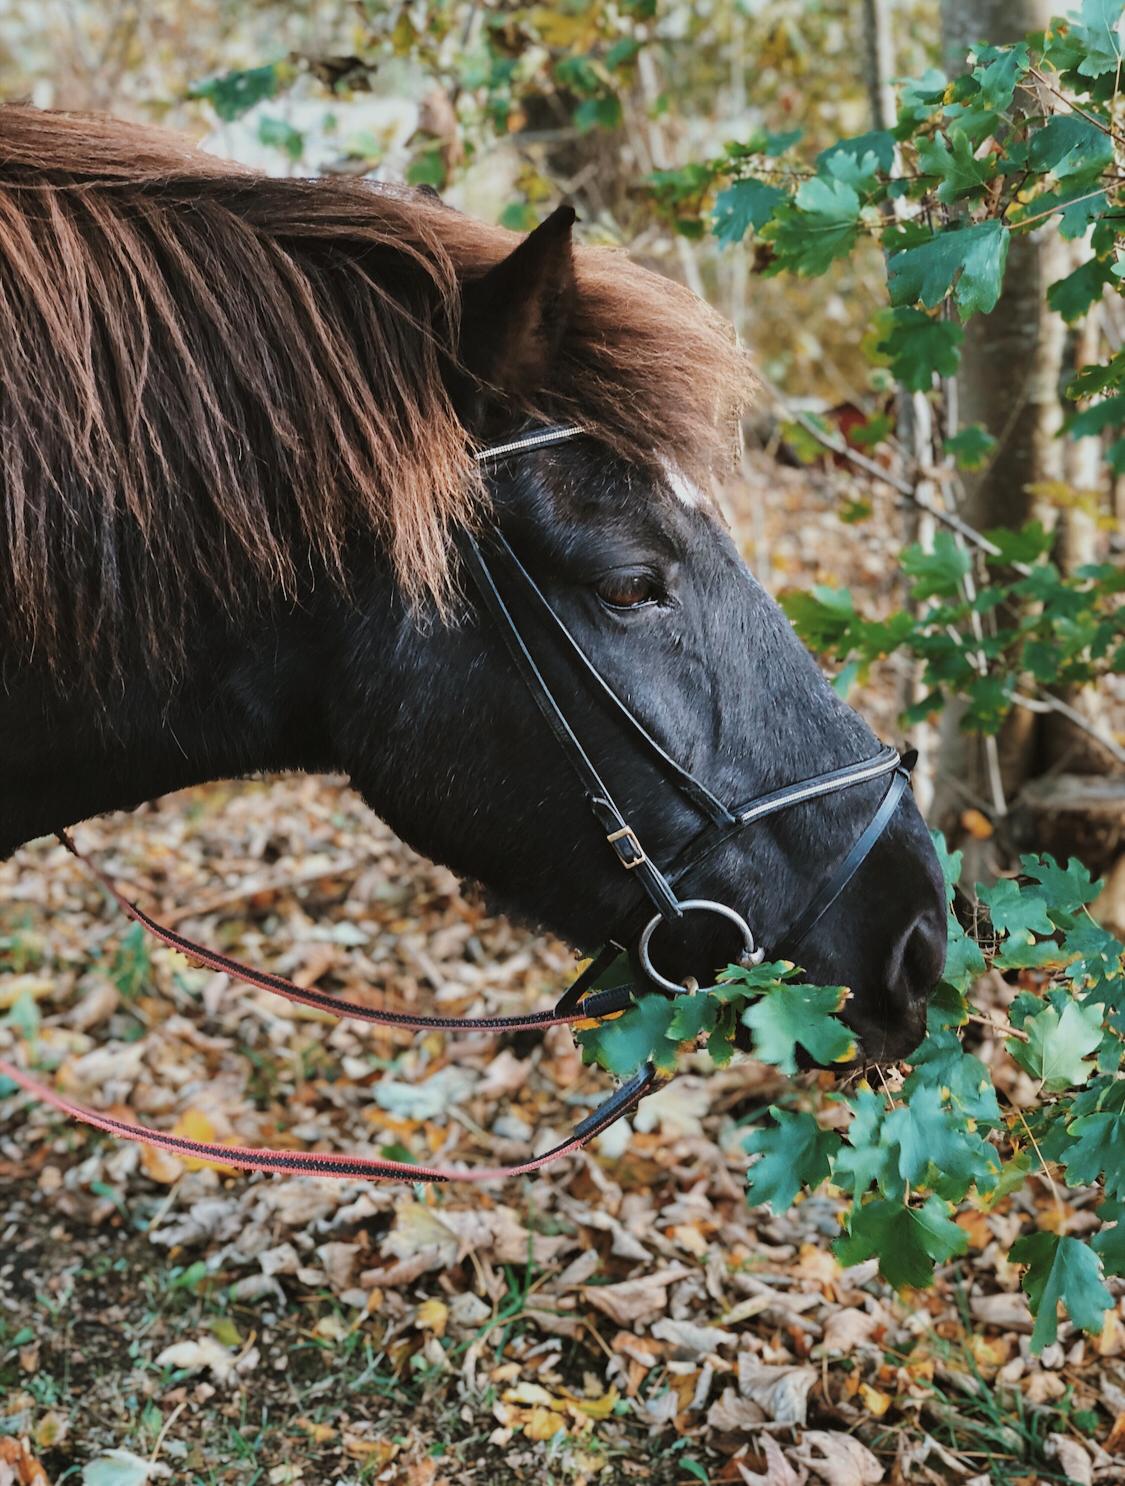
(845, 1330)
(204, 1355)
(18, 1467)
(838, 1459)
(780, 1471)
(782, 1392)
(633, 1302)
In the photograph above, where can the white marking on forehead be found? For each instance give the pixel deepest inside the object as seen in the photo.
(682, 488)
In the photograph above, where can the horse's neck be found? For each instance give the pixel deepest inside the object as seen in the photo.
(255, 700)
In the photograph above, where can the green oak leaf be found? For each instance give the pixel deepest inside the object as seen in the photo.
(793, 1153)
(1073, 296)
(907, 1240)
(939, 572)
(1061, 1270)
(861, 172)
(817, 227)
(935, 1147)
(972, 258)
(1068, 888)
(1098, 32)
(864, 1160)
(951, 159)
(1069, 145)
(693, 1017)
(1027, 544)
(998, 72)
(1109, 413)
(1059, 1046)
(971, 447)
(789, 1016)
(964, 962)
(823, 617)
(941, 1062)
(621, 1046)
(744, 207)
(1097, 1148)
(1016, 910)
(877, 142)
(280, 135)
(920, 347)
(990, 701)
(1109, 1242)
(950, 862)
(1099, 953)
(234, 93)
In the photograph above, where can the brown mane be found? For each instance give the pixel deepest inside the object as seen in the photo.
(209, 374)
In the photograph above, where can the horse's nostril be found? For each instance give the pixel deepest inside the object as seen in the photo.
(918, 959)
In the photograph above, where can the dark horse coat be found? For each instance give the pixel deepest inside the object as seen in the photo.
(237, 426)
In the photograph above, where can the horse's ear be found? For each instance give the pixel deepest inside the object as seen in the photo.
(513, 319)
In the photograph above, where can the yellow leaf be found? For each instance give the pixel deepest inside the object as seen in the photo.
(433, 1315)
(320, 1434)
(193, 1124)
(989, 1353)
(976, 1226)
(161, 1166)
(598, 1408)
(15, 986)
(977, 825)
(542, 1424)
(875, 1401)
(531, 1394)
(224, 1330)
(1056, 1217)
(564, 27)
(380, 1452)
(50, 1430)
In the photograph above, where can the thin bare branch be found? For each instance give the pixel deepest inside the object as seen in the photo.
(888, 477)
(1050, 703)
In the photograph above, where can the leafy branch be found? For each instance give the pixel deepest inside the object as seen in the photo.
(908, 1164)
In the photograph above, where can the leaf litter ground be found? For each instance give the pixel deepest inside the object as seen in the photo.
(622, 1317)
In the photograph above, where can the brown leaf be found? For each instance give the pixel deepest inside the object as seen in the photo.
(18, 1467)
(691, 1340)
(634, 1302)
(782, 1392)
(1073, 1459)
(847, 1329)
(730, 1414)
(779, 1470)
(838, 1459)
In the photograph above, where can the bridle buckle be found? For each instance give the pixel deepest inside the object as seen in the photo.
(628, 837)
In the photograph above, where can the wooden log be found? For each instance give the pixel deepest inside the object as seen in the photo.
(1080, 815)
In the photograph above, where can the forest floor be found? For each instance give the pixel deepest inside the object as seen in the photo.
(622, 1317)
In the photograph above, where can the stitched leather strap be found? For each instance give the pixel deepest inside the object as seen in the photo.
(807, 920)
(578, 1005)
(333, 1163)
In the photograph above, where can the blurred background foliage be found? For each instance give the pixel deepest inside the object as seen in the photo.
(505, 109)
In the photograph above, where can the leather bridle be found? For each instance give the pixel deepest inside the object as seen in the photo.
(486, 560)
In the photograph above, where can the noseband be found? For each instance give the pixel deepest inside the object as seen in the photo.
(485, 559)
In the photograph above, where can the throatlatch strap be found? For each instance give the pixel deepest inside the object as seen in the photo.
(596, 1004)
(331, 1163)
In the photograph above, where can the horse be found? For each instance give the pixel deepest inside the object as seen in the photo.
(245, 525)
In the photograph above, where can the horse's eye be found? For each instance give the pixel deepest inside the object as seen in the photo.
(627, 590)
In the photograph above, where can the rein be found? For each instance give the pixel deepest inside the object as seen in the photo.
(583, 1000)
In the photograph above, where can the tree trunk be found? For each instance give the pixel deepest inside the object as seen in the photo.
(1011, 365)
